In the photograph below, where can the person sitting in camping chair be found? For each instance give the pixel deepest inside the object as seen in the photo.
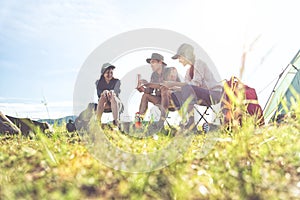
(108, 90)
(200, 85)
(153, 91)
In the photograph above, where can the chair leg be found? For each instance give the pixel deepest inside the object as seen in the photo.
(169, 125)
(202, 115)
(166, 119)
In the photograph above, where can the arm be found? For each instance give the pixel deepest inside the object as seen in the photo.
(171, 84)
(117, 86)
(141, 85)
(146, 88)
(153, 85)
(99, 88)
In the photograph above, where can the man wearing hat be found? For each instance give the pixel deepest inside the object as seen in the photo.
(200, 85)
(108, 90)
(156, 95)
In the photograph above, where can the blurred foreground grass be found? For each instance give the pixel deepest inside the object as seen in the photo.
(249, 163)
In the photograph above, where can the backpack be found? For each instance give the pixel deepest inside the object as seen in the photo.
(240, 99)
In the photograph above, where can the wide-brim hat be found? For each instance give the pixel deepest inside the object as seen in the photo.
(107, 66)
(156, 56)
(185, 50)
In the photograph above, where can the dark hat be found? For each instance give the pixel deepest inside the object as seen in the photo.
(106, 66)
(185, 50)
(156, 56)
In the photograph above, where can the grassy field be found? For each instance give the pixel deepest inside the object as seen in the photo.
(248, 163)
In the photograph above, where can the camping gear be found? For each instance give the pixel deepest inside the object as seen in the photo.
(240, 99)
(285, 91)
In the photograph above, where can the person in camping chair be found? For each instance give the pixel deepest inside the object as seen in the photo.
(155, 93)
(200, 84)
(108, 90)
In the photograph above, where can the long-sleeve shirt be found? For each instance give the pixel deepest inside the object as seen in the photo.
(203, 77)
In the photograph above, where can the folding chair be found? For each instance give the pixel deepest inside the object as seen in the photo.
(120, 111)
(108, 110)
(209, 107)
(205, 113)
(175, 106)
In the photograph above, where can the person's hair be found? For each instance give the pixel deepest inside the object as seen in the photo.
(168, 71)
(102, 75)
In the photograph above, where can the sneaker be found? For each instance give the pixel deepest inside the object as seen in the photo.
(138, 120)
(205, 127)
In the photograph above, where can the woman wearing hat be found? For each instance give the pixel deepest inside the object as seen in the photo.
(200, 83)
(108, 90)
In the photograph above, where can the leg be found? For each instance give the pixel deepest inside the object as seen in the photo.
(165, 101)
(144, 102)
(199, 96)
(176, 97)
(101, 105)
(114, 108)
(188, 95)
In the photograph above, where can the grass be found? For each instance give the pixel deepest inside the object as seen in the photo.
(248, 163)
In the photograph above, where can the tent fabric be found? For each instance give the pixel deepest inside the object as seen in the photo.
(284, 91)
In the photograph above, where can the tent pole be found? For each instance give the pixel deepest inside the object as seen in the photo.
(273, 90)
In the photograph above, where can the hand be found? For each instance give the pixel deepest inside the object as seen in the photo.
(105, 92)
(111, 94)
(141, 89)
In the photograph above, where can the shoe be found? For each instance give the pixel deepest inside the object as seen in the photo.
(114, 126)
(205, 127)
(115, 123)
(138, 120)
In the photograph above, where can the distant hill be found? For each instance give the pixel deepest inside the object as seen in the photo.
(59, 121)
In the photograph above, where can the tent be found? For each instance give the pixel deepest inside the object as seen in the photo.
(287, 85)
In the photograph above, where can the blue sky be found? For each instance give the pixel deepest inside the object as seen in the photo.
(44, 43)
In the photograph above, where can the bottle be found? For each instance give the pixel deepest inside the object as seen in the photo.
(138, 80)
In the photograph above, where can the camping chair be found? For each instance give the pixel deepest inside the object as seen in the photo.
(208, 107)
(120, 111)
(175, 106)
(205, 113)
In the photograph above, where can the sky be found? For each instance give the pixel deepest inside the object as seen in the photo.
(43, 44)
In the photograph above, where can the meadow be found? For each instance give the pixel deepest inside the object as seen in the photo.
(246, 163)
